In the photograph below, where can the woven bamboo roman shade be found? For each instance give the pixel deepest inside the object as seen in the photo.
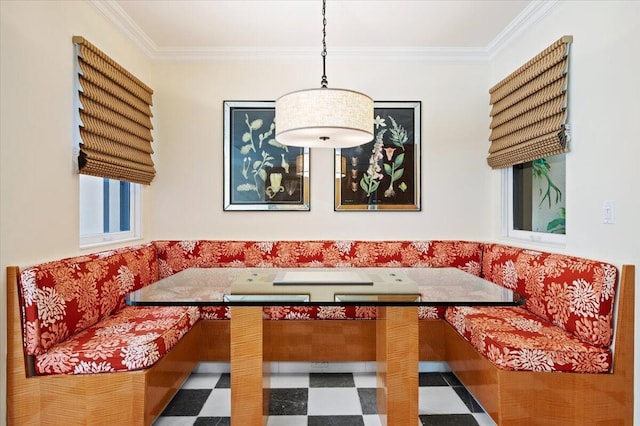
(529, 109)
(115, 118)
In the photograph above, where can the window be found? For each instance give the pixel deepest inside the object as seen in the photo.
(113, 145)
(530, 132)
(534, 200)
(109, 211)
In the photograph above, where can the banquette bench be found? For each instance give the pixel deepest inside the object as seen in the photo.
(78, 355)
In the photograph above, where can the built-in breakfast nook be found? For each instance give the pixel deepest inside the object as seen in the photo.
(319, 212)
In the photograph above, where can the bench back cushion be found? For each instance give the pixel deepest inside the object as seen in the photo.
(174, 256)
(62, 298)
(573, 293)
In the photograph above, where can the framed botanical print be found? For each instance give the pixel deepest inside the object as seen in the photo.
(259, 172)
(383, 174)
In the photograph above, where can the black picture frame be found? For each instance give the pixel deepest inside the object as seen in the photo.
(383, 174)
(259, 172)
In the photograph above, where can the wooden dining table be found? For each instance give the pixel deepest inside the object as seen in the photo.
(397, 293)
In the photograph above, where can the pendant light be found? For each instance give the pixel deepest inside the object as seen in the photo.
(324, 117)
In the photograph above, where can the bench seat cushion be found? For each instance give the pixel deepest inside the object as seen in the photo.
(573, 293)
(318, 312)
(516, 339)
(133, 338)
(60, 299)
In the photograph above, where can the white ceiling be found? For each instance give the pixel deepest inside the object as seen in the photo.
(174, 29)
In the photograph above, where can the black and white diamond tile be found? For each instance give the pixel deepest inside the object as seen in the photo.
(322, 399)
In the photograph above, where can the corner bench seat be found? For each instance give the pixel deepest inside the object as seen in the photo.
(76, 321)
(573, 293)
(566, 323)
(78, 354)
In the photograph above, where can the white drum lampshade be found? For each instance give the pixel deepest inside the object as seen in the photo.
(323, 117)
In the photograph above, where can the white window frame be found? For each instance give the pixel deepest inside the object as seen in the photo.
(135, 233)
(507, 218)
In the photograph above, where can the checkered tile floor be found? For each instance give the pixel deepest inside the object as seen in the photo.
(327, 399)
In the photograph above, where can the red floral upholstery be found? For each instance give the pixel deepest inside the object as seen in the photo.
(516, 339)
(565, 324)
(133, 338)
(75, 320)
(174, 256)
(572, 293)
(317, 312)
(65, 297)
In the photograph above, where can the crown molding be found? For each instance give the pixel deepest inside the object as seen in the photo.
(535, 11)
(118, 17)
(348, 53)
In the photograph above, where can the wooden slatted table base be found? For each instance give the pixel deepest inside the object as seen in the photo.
(397, 365)
(249, 373)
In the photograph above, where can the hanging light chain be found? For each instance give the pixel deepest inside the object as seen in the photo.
(324, 82)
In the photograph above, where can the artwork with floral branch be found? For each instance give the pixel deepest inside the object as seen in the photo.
(260, 172)
(385, 173)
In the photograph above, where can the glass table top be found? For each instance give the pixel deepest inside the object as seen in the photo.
(323, 286)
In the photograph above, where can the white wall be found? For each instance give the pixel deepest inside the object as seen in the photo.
(188, 191)
(38, 184)
(604, 162)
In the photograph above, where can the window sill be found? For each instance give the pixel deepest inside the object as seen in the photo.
(106, 241)
(542, 240)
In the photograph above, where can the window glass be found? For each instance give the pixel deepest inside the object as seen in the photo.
(108, 210)
(535, 202)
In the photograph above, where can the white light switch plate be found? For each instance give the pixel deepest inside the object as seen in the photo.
(609, 212)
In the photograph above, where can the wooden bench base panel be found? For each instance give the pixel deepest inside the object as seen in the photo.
(165, 378)
(528, 398)
(539, 398)
(317, 340)
(131, 398)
